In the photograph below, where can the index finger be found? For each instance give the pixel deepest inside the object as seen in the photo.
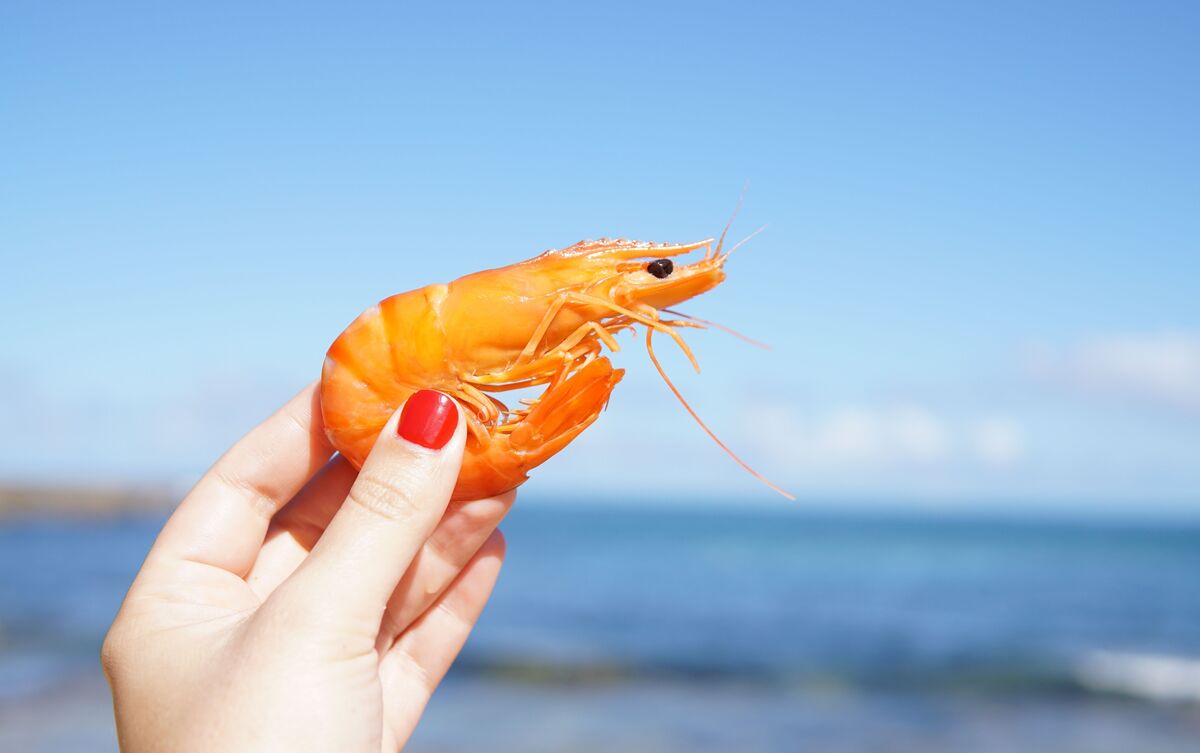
(223, 520)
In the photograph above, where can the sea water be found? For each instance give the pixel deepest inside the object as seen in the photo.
(658, 628)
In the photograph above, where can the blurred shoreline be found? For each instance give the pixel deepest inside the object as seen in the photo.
(100, 499)
(81, 500)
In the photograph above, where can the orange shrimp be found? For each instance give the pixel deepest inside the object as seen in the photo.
(538, 322)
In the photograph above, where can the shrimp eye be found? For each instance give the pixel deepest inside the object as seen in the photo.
(661, 268)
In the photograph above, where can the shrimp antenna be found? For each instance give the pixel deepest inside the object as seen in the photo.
(671, 386)
(743, 241)
(722, 327)
(732, 217)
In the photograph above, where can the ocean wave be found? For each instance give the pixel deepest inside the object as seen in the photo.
(1154, 677)
(1007, 679)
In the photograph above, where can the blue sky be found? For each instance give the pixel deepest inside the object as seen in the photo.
(978, 276)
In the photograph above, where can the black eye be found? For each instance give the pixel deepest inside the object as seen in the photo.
(661, 268)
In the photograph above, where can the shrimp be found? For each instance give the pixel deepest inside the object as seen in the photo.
(544, 321)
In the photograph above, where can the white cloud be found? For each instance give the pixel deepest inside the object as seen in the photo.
(997, 441)
(905, 433)
(899, 436)
(850, 435)
(1162, 368)
(918, 435)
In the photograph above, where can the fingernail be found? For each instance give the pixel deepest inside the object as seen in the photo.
(428, 419)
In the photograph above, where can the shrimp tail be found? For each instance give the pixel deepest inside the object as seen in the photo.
(561, 413)
(565, 410)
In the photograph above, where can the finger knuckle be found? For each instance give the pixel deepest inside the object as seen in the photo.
(259, 499)
(112, 652)
(453, 617)
(417, 672)
(387, 497)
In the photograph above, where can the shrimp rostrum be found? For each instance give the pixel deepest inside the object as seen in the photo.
(544, 321)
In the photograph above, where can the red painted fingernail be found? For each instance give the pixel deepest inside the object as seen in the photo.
(428, 419)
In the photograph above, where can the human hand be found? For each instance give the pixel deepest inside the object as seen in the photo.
(292, 604)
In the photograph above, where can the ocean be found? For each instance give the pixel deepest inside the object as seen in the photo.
(718, 629)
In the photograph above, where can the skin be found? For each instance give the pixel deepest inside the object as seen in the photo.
(292, 604)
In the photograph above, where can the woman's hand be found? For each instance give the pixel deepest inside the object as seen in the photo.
(289, 605)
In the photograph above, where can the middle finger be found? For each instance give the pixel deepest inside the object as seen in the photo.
(459, 535)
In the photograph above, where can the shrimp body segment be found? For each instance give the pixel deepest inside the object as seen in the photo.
(543, 321)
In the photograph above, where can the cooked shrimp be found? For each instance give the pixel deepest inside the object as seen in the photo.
(544, 321)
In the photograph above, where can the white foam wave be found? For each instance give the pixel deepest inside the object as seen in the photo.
(1156, 677)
